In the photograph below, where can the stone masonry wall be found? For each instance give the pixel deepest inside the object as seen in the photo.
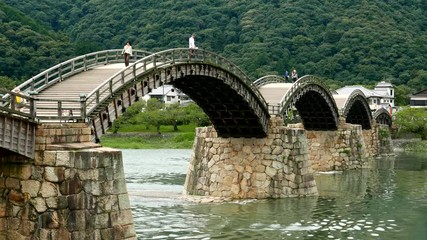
(70, 191)
(239, 168)
(338, 150)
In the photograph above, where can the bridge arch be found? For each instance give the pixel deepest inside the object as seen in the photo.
(314, 103)
(221, 89)
(356, 110)
(382, 116)
(268, 79)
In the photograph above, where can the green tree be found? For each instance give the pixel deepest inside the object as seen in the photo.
(6, 83)
(402, 95)
(413, 120)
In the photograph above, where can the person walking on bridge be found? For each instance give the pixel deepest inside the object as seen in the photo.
(127, 51)
(192, 44)
(294, 75)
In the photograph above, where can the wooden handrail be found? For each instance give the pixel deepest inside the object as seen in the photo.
(159, 59)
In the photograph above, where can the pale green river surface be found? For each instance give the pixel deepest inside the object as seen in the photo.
(388, 201)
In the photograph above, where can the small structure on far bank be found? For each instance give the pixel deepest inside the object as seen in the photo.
(382, 96)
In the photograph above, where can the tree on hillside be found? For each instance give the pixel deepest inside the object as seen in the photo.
(6, 83)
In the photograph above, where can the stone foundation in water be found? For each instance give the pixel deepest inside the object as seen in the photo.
(276, 166)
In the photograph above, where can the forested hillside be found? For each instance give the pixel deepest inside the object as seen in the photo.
(345, 42)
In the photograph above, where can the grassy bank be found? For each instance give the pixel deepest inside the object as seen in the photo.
(419, 146)
(141, 137)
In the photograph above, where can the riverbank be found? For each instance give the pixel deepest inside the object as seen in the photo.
(184, 140)
(180, 140)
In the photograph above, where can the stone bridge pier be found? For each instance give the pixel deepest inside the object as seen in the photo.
(280, 165)
(350, 147)
(72, 189)
(276, 166)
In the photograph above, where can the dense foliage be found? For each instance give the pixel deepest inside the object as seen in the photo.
(413, 120)
(345, 42)
(27, 47)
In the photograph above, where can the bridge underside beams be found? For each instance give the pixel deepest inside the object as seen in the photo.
(384, 118)
(315, 113)
(358, 115)
(228, 111)
(18, 136)
(104, 118)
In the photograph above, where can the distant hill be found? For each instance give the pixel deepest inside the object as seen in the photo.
(27, 46)
(345, 42)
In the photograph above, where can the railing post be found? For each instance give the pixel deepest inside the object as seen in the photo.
(83, 106)
(33, 106)
(97, 97)
(60, 110)
(46, 78)
(60, 73)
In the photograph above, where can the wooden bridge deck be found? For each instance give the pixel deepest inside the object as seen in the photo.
(274, 92)
(82, 83)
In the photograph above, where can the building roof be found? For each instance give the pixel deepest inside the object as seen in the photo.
(347, 90)
(422, 93)
(384, 84)
(162, 90)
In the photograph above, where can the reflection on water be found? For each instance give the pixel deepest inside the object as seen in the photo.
(386, 202)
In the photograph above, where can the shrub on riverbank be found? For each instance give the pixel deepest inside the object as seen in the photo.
(419, 146)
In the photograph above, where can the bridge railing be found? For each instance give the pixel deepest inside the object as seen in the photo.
(268, 79)
(156, 60)
(19, 105)
(283, 107)
(65, 109)
(73, 66)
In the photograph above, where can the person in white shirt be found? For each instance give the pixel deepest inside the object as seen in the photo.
(127, 51)
(192, 44)
(294, 75)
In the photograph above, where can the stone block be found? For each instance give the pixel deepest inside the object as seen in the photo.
(107, 204)
(71, 186)
(49, 220)
(39, 204)
(52, 202)
(92, 187)
(271, 172)
(76, 222)
(12, 183)
(91, 174)
(124, 201)
(123, 217)
(80, 201)
(102, 221)
(120, 186)
(20, 171)
(54, 174)
(48, 190)
(65, 159)
(107, 234)
(31, 187)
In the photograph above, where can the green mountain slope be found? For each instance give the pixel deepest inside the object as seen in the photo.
(345, 42)
(26, 46)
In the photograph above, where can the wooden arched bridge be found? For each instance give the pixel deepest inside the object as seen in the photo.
(97, 88)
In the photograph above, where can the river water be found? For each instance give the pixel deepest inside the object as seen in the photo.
(388, 201)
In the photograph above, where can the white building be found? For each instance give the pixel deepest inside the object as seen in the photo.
(382, 96)
(169, 95)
